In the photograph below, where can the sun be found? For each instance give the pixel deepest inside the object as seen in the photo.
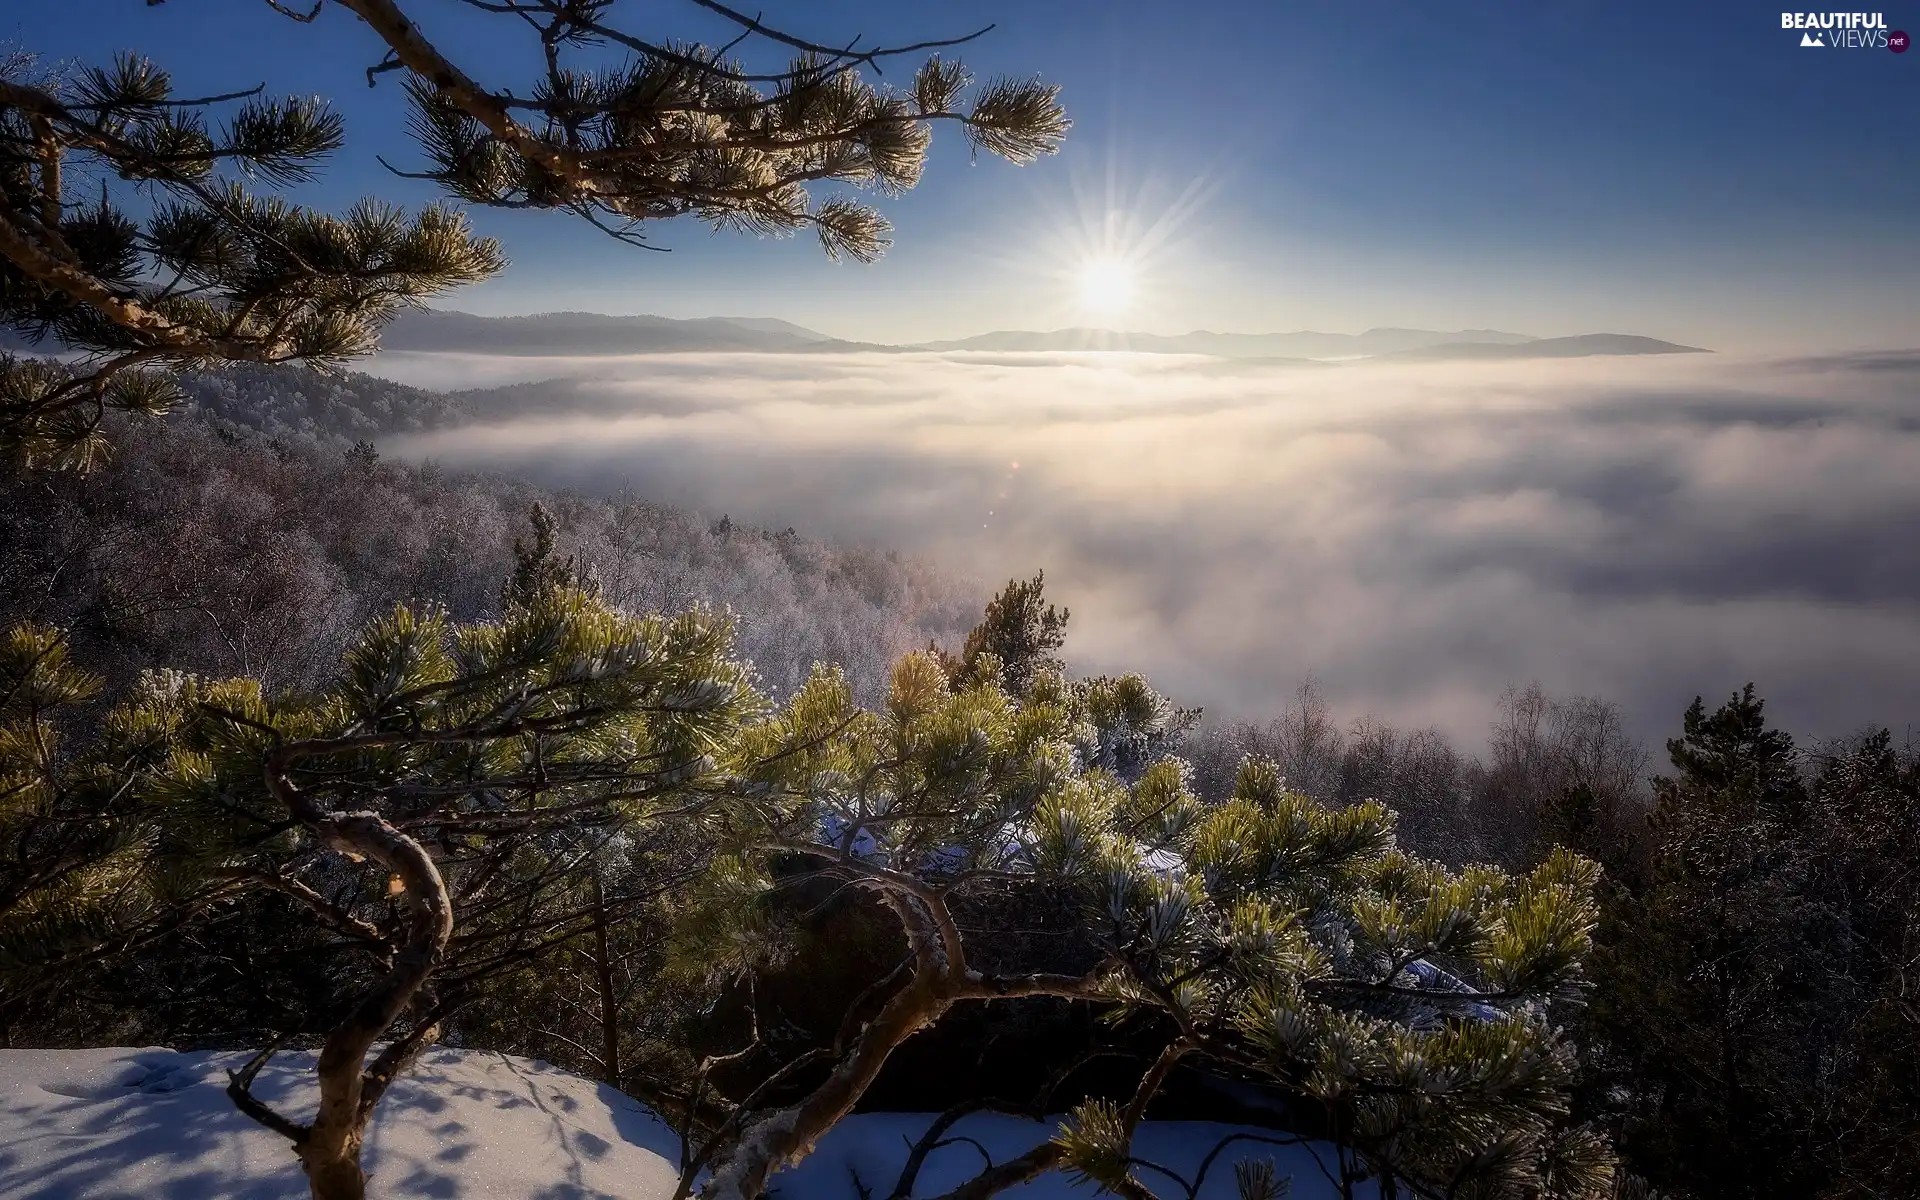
(1106, 285)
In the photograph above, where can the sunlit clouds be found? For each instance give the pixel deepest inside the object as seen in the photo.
(1415, 538)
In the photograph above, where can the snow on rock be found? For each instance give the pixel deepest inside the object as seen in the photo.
(120, 1124)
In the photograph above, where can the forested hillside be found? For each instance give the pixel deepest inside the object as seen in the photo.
(301, 406)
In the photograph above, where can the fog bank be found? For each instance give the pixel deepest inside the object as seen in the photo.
(1414, 537)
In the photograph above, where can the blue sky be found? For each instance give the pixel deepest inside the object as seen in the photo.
(1681, 170)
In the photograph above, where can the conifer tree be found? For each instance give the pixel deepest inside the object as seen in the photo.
(434, 811)
(69, 877)
(1020, 630)
(1708, 938)
(204, 270)
(537, 565)
(1749, 1023)
(439, 808)
(184, 266)
(99, 860)
(1268, 937)
(605, 1002)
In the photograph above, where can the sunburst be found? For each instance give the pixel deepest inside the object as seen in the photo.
(1106, 286)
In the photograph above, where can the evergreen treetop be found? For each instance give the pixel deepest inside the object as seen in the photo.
(1269, 937)
(184, 264)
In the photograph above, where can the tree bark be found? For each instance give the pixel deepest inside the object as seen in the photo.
(785, 1137)
(941, 980)
(609, 1002)
(49, 269)
(412, 48)
(331, 1153)
(330, 1148)
(994, 1180)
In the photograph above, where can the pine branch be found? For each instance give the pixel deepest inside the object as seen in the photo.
(869, 57)
(61, 274)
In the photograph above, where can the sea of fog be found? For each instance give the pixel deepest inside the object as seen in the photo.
(1414, 538)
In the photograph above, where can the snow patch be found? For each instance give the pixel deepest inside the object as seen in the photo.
(150, 1124)
(866, 1151)
(155, 1124)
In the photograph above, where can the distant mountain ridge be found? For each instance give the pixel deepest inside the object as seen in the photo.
(582, 333)
(1300, 344)
(1581, 346)
(574, 334)
(565, 333)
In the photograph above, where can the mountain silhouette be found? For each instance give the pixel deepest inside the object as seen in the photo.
(563, 333)
(577, 334)
(1299, 344)
(1581, 346)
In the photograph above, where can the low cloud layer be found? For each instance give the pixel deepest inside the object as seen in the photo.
(1415, 538)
